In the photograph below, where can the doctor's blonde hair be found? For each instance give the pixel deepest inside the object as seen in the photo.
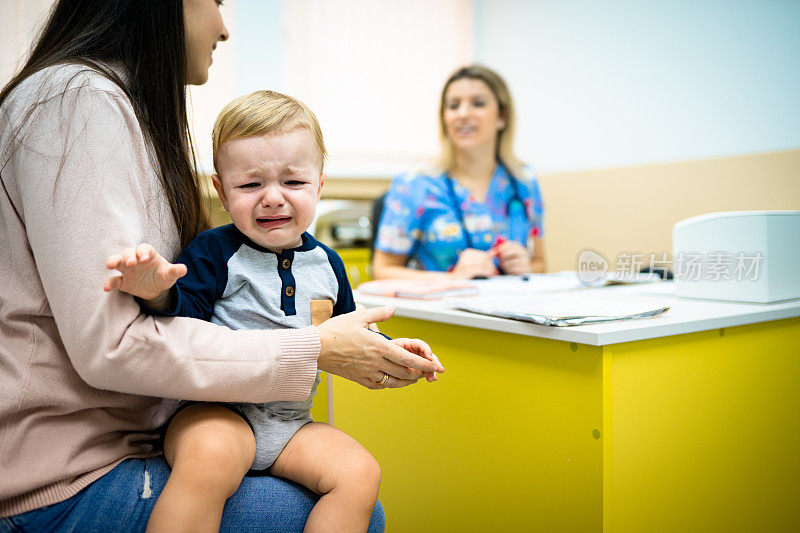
(264, 113)
(505, 137)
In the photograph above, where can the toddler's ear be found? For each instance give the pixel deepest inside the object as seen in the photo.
(321, 183)
(220, 191)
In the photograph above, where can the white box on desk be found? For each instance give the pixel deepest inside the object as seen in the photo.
(760, 248)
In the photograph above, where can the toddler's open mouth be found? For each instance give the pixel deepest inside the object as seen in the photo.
(272, 222)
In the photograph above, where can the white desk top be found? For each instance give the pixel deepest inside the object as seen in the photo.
(684, 315)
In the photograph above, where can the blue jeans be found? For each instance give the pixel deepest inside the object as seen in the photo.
(123, 499)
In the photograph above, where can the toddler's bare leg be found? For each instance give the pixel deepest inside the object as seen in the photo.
(333, 464)
(210, 448)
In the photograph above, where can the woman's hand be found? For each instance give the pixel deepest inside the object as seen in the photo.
(513, 257)
(472, 262)
(349, 349)
(373, 326)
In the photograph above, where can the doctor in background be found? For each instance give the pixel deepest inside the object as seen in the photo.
(478, 212)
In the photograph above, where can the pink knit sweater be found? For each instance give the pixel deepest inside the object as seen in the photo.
(82, 372)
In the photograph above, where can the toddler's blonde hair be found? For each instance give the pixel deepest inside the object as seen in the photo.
(264, 113)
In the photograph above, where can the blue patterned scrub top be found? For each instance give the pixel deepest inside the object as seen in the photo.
(420, 220)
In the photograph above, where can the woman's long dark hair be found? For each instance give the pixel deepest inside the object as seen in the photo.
(147, 37)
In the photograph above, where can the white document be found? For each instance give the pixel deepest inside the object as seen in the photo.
(567, 280)
(562, 309)
(560, 281)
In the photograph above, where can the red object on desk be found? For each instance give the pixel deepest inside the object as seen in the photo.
(497, 242)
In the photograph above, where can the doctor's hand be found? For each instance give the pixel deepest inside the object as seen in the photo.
(513, 257)
(472, 263)
(349, 349)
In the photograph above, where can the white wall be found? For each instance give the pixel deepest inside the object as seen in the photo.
(259, 57)
(371, 71)
(204, 102)
(19, 20)
(621, 82)
(597, 83)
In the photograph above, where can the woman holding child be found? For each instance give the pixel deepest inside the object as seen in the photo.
(479, 211)
(95, 158)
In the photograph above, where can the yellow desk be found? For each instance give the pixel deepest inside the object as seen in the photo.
(691, 425)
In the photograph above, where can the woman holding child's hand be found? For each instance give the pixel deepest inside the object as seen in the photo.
(348, 347)
(354, 352)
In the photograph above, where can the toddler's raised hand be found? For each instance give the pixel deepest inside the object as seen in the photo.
(421, 348)
(142, 272)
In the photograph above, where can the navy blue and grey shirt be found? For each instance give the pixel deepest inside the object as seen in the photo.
(234, 282)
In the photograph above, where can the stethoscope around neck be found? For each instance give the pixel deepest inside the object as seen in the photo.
(514, 205)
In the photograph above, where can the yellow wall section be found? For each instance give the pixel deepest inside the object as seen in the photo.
(357, 263)
(706, 432)
(691, 433)
(503, 441)
(319, 409)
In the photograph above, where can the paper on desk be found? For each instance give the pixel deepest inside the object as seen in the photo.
(567, 280)
(561, 309)
(418, 289)
(627, 278)
(516, 284)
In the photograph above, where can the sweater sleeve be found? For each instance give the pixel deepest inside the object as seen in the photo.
(87, 189)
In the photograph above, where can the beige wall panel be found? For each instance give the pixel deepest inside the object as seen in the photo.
(633, 209)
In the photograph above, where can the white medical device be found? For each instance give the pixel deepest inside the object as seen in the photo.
(745, 256)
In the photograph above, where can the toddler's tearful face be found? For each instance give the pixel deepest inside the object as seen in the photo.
(271, 184)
